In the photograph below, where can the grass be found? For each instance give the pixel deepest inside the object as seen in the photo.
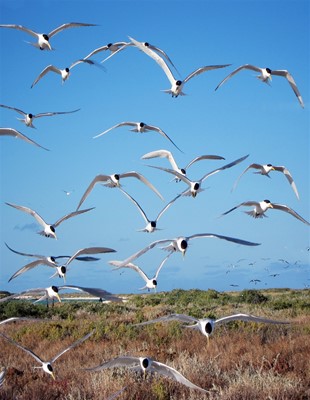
(243, 361)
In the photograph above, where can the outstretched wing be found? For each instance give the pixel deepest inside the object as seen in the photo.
(289, 177)
(98, 178)
(90, 250)
(72, 346)
(68, 25)
(141, 178)
(292, 83)
(72, 214)
(246, 66)
(248, 317)
(289, 210)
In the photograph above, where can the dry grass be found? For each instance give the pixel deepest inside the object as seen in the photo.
(243, 361)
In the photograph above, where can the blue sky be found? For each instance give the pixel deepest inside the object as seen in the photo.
(243, 117)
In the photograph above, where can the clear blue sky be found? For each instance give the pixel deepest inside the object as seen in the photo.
(243, 117)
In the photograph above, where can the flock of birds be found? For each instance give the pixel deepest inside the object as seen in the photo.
(178, 244)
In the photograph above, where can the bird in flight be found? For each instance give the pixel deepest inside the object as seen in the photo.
(47, 366)
(266, 77)
(167, 154)
(260, 208)
(29, 117)
(48, 229)
(146, 364)
(43, 39)
(176, 84)
(265, 169)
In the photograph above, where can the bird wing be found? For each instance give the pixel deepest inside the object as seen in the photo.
(200, 70)
(76, 343)
(72, 214)
(245, 203)
(230, 239)
(123, 361)
(289, 177)
(254, 165)
(49, 68)
(141, 178)
(83, 60)
(173, 172)
(116, 126)
(239, 160)
(15, 109)
(50, 114)
(247, 317)
(170, 372)
(160, 61)
(90, 250)
(15, 133)
(137, 204)
(21, 28)
(142, 251)
(39, 219)
(171, 317)
(12, 319)
(246, 66)
(162, 52)
(102, 48)
(98, 178)
(289, 210)
(24, 254)
(68, 25)
(162, 154)
(291, 81)
(161, 265)
(204, 157)
(37, 358)
(167, 206)
(97, 292)
(31, 265)
(162, 133)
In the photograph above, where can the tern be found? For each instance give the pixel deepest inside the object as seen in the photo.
(146, 364)
(180, 244)
(260, 208)
(116, 48)
(167, 154)
(17, 134)
(149, 283)
(29, 117)
(265, 169)
(48, 229)
(151, 225)
(64, 73)
(47, 365)
(176, 84)
(140, 127)
(113, 181)
(112, 47)
(60, 269)
(52, 293)
(195, 186)
(207, 325)
(43, 42)
(266, 76)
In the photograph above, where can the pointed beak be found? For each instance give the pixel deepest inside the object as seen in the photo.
(53, 376)
(59, 299)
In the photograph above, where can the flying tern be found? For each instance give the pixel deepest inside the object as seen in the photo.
(47, 365)
(43, 39)
(140, 127)
(113, 181)
(167, 154)
(260, 208)
(176, 84)
(60, 269)
(17, 134)
(52, 293)
(151, 225)
(265, 169)
(29, 117)
(146, 364)
(48, 229)
(64, 73)
(180, 244)
(207, 325)
(266, 76)
(195, 186)
(150, 283)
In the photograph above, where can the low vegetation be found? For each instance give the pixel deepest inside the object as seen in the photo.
(243, 360)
